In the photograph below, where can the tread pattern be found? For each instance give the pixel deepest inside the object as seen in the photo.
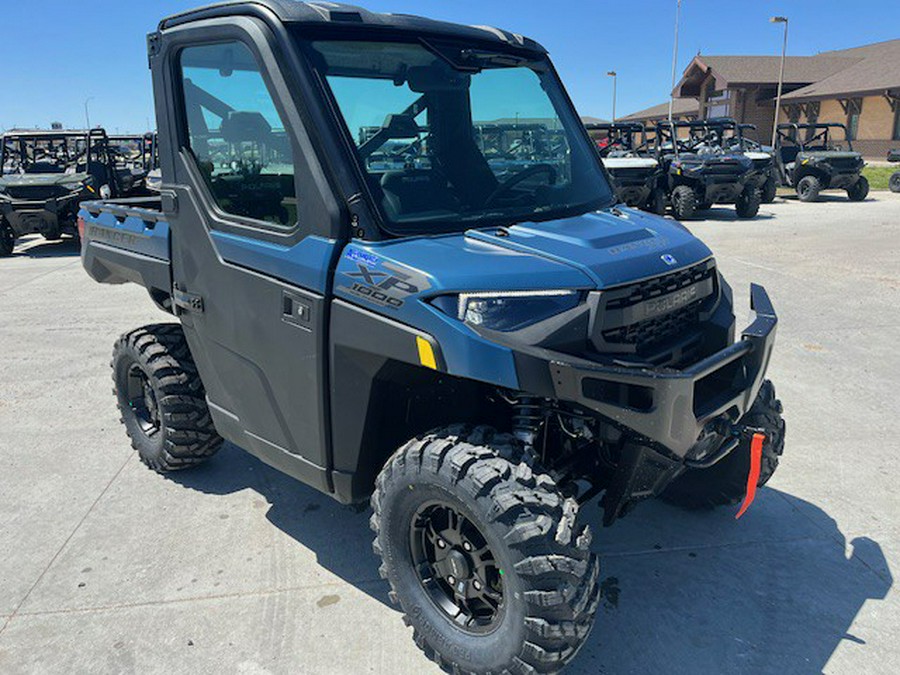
(725, 483)
(748, 203)
(535, 520)
(188, 434)
(684, 202)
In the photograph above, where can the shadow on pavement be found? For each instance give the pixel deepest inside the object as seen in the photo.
(773, 593)
(41, 248)
(728, 213)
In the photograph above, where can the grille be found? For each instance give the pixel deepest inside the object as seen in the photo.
(844, 164)
(36, 192)
(624, 322)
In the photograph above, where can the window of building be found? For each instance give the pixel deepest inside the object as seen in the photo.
(896, 135)
(236, 133)
(718, 103)
(854, 110)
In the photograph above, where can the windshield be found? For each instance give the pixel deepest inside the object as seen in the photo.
(34, 154)
(452, 138)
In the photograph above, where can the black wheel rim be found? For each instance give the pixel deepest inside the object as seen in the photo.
(457, 568)
(142, 400)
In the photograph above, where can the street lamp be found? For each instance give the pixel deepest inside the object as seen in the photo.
(615, 78)
(674, 61)
(87, 114)
(779, 19)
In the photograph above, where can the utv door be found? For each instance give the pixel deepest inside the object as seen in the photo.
(249, 271)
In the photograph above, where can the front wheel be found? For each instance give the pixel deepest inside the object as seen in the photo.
(808, 188)
(684, 202)
(483, 554)
(894, 183)
(859, 190)
(725, 483)
(7, 238)
(656, 203)
(747, 205)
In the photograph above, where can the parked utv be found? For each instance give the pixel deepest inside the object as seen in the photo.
(475, 343)
(44, 177)
(763, 161)
(134, 160)
(809, 160)
(699, 172)
(635, 173)
(894, 183)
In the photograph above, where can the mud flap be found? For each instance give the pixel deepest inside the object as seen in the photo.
(756, 448)
(643, 473)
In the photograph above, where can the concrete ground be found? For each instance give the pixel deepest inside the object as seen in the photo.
(106, 567)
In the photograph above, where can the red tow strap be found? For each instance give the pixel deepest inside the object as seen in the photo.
(756, 447)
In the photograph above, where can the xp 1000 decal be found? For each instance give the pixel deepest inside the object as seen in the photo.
(379, 282)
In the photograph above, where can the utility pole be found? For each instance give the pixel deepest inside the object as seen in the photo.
(615, 78)
(674, 60)
(87, 112)
(779, 19)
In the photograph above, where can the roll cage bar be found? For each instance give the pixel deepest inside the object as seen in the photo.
(621, 135)
(817, 135)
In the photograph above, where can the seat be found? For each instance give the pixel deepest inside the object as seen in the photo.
(417, 191)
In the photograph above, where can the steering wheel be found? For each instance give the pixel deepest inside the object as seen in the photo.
(521, 176)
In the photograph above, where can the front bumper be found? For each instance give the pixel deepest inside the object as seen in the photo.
(48, 217)
(675, 408)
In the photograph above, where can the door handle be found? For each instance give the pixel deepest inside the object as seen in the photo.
(189, 302)
(296, 311)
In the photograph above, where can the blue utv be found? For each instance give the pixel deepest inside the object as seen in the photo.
(397, 271)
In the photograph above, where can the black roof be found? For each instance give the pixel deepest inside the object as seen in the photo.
(816, 125)
(350, 17)
(615, 126)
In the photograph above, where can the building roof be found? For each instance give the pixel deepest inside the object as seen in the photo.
(681, 106)
(871, 68)
(875, 69)
(585, 119)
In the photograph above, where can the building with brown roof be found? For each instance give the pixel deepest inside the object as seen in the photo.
(858, 87)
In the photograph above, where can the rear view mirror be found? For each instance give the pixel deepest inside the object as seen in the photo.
(436, 78)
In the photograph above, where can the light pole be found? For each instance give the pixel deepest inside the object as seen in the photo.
(87, 113)
(674, 60)
(779, 19)
(615, 78)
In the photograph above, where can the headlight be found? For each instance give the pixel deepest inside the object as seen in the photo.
(508, 310)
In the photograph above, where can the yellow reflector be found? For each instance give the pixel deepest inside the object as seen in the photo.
(426, 353)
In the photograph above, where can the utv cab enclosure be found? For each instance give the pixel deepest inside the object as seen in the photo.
(44, 177)
(634, 170)
(811, 160)
(700, 172)
(377, 294)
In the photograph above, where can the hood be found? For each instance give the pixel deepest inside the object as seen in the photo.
(611, 247)
(630, 163)
(43, 179)
(728, 159)
(591, 251)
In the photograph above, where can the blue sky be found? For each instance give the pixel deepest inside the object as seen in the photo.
(57, 53)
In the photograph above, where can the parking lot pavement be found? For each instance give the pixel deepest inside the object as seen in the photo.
(107, 567)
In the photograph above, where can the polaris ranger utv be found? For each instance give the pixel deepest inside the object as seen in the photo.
(809, 160)
(636, 176)
(477, 356)
(763, 161)
(699, 172)
(44, 177)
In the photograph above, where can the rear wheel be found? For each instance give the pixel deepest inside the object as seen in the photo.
(684, 202)
(859, 190)
(725, 483)
(747, 205)
(483, 555)
(808, 188)
(894, 183)
(161, 399)
(7, 238)
(769, 190)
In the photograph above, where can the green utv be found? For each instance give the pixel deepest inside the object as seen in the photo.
(397, 271)
(44, 177)
(810, 160)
